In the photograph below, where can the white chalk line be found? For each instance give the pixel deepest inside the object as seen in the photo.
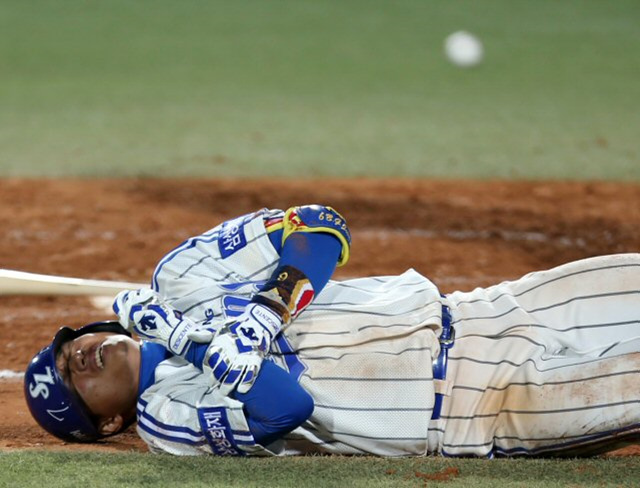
(7, 374)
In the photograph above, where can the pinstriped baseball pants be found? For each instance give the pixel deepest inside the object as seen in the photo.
(547, 363)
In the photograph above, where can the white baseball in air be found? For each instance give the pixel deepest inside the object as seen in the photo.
(463, 49)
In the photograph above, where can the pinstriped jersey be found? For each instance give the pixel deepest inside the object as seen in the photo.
(363, 350)
(545, 363)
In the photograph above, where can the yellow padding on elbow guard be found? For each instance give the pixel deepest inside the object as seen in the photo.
(329, 221)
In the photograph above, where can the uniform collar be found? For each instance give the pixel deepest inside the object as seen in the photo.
(151, 355)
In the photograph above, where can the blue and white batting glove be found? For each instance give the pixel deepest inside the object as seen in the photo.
(143, 312)
(236, 352)
(257, 326)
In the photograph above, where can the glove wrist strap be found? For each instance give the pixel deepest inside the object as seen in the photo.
(266, 317)
(179, 340)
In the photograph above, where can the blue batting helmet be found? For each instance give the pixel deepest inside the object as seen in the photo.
(58, 409)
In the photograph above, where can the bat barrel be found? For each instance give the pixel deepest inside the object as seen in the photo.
(22, 283)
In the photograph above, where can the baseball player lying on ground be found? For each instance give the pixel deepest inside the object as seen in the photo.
(249, 348)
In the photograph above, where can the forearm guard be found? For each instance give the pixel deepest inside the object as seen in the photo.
(318, 218)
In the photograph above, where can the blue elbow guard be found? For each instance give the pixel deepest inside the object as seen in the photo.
(318, 218)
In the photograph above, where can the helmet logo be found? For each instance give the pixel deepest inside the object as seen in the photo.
(40, 387)
(60, 410)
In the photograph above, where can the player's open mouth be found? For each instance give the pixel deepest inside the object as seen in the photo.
(98, 356)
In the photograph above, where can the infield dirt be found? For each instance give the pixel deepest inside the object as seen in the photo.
(460, 234)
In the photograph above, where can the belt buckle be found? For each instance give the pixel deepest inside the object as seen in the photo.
(450, 338)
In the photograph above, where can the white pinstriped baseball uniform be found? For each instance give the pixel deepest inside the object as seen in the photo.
(363, 350)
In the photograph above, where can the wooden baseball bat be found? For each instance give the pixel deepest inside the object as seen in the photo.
(21, 283)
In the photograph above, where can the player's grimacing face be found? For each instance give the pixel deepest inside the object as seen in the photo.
(103, 369)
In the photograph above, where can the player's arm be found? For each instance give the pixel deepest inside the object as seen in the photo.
(276, 403)
(177, 416)
(311, 240)
(314, 239)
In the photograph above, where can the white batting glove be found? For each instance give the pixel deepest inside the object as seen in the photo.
(143, 312)
(228, 367)
(257, 326)
(236, 352)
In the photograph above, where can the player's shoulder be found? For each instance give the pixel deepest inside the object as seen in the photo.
(214, 250)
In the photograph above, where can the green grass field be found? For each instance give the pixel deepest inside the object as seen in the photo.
(29, 470)
(313, 88)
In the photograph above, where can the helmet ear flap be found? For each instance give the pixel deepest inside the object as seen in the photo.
(52, 404)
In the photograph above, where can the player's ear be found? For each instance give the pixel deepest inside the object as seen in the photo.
(110, 425)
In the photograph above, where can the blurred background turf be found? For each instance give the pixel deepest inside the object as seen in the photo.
(319, 88)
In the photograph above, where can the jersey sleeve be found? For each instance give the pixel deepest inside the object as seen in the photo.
(236, 251)
(180, 414)
(274, 406)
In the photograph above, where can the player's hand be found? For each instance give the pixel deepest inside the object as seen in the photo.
(143, 312)
(257, 326)
(235, 354)
(126, 300)
(231, 364)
